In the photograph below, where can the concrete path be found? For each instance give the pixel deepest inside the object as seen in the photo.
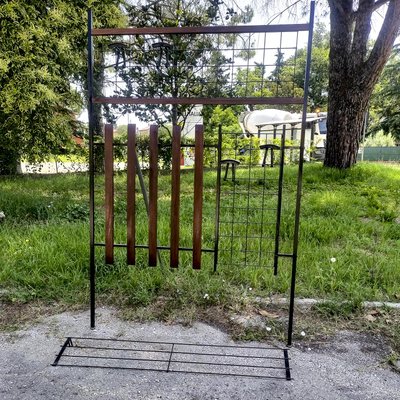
(347, 367)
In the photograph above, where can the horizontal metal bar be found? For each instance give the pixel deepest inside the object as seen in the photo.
(177, 344)
(247, 208)
(175, 361)
(173, 370)
(176, 352)
(251, 265)
(242, 223)
(199, 100)
(144, 246)
(242, 237)
(250, 194)
(285, 255)
(116, 358)
(228, 364)
(211, 146)
(177, 30)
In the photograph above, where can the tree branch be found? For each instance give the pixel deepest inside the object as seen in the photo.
(379, 3)
(384, 43)
(338, 5)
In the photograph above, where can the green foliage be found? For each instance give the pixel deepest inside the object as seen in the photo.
(44, 52)
(76, 212)
(233, 146)
(380, 139)
(294, 74)
(252, 83)
(385, 102)
(339, 309)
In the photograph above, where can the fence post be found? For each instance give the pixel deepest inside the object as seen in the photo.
(175, 194)
(198, 196)
(130, 196)
(109, 192)
(153, 193)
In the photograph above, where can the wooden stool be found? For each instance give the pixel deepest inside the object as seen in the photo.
(270, 147)
(233, 163)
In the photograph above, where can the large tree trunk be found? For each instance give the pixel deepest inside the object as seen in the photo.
(353, 73)
(345, 123)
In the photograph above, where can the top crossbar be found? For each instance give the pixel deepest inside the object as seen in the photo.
(177, 30)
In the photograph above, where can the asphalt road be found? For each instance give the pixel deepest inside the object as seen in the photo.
(347, 367)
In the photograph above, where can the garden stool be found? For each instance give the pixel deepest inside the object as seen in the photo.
(230, 162)
(267, 147)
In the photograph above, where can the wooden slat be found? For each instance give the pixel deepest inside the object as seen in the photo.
(175, 195)
(200, 100)
(109, 193)
(153, 193)
(214, 29)
(198, 196)
(130, 196)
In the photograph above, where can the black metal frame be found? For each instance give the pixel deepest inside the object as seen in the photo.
(206, 359)
(245, 100)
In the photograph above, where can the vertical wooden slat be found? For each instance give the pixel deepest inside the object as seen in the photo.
(130, 196)
(175, 194)
(153, 189)
(109, 192)
(198, 196)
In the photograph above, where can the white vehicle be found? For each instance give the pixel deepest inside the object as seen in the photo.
(269, 123)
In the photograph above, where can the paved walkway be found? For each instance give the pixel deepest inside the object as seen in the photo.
(347, 367)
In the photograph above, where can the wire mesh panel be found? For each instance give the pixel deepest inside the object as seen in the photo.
(251, 197)
(199, 65)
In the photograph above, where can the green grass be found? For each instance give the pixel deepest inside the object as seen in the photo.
(346, 215)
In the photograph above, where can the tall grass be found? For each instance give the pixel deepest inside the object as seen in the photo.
(348, 242)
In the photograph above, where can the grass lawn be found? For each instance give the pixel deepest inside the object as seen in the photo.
(349, 244)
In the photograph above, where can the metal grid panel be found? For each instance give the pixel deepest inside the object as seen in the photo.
(199, 65)
(251, 198)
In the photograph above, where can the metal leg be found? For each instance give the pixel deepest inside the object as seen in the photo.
(265, 158)
(226, 171)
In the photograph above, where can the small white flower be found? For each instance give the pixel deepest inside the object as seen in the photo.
(302, 333)
(2, 215)
(333, 259)
(206, 296)
(250, 289)
(269, 329)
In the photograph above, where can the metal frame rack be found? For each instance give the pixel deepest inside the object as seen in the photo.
(174, 248)
(189, 358)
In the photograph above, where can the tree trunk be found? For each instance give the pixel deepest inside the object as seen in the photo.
(9, 162)
(353, 73)
(345, 122)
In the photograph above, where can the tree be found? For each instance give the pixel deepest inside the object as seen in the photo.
(43, 53)
(173, 65)
(354, 69)
(353, 72)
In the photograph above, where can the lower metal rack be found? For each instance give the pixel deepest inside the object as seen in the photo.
(209, 359)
